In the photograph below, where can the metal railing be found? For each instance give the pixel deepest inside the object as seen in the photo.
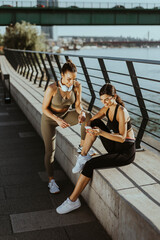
(133, 79)
(82, 4)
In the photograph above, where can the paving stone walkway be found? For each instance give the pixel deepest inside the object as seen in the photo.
(27, 209)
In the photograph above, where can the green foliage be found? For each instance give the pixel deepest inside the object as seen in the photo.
(24, 36)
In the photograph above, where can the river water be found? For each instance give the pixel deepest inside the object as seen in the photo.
(150, 71)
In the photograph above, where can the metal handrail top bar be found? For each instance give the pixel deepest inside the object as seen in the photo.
(93, 57)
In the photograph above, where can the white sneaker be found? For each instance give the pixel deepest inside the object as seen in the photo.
(68, 206)
(53, 187)
(92, 152)
(81, 160)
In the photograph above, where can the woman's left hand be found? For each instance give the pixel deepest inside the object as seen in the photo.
(82, 117)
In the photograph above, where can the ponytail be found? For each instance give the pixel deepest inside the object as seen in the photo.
(119, 101)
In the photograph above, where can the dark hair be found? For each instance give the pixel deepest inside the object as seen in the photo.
(109, 89)
(69, 66)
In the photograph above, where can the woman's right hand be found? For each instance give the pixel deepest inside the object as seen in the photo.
(62, 123)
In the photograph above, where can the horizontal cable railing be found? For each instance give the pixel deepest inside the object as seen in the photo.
(136, 84)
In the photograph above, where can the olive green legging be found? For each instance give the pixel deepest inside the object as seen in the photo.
(48, 127)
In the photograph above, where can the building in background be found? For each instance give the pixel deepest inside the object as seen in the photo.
(49, 31)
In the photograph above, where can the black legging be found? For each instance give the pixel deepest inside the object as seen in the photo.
(119, 154)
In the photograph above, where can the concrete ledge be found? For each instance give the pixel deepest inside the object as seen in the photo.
(126, 200)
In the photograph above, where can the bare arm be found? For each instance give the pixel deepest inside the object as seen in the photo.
(78, 105)
(118, 137)
(49, 93)
(101, 114)
(78, 92)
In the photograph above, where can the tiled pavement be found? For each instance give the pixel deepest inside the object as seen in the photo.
(27, 209)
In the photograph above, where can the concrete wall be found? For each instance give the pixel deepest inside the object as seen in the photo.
(126, 200)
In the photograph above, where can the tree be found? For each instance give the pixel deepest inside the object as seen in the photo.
(24, 36)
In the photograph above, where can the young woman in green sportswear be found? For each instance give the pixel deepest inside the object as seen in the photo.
(57, 101)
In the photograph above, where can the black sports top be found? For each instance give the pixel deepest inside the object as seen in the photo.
(114, 124)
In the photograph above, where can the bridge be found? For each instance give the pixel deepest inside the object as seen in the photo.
(74, 15)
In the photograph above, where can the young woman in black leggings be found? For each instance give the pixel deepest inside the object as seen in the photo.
(117, 137)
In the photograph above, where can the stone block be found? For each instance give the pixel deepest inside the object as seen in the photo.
(116, 179)
(144, 204)
(104, 214)
(133, 225)
(148, 161)
(140, 178)
(106, 192)
(32, 221)
(153, 190)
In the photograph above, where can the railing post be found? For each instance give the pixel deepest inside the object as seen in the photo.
(11, 59)
(33, 62)
(104, 70)
(17, 61)
(21, 59)
(46, 70)
(18, 64)
(39, 65)
(140, 103)
(28, 65)
(88, 82)
(51, 67)
(58, 62)
(24, 63)
(66, 57)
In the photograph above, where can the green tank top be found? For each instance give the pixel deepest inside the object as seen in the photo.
(59, 102)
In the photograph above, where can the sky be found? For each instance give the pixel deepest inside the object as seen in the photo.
(125, 31)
